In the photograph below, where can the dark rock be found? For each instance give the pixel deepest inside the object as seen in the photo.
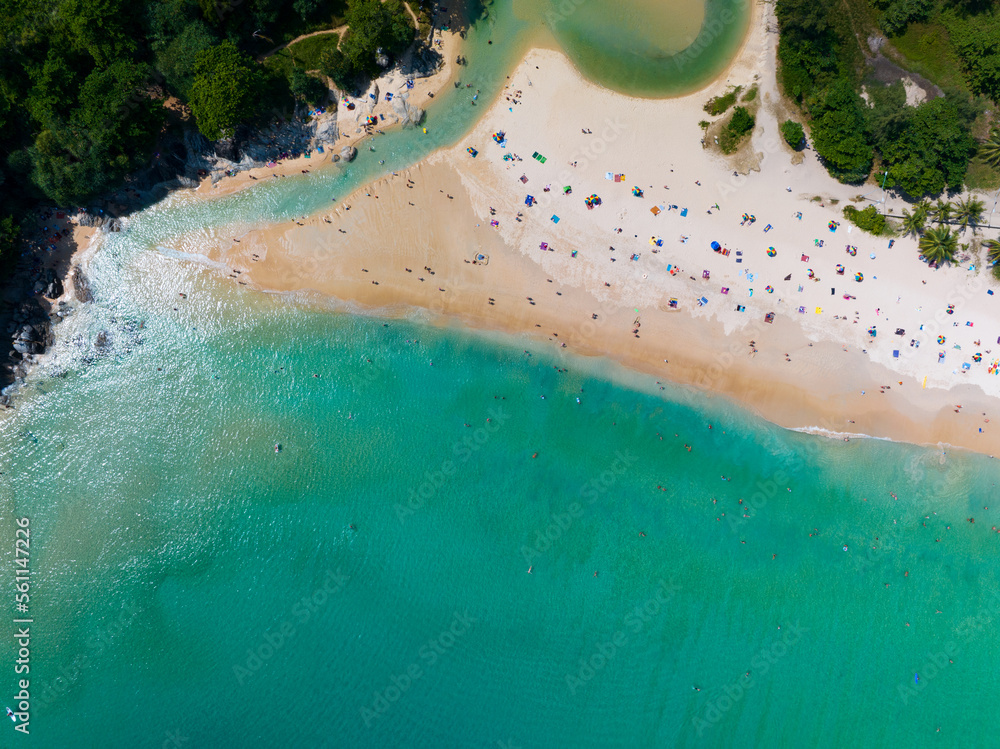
(80, 285)
(226, 149)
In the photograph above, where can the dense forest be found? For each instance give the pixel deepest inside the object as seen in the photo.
(88, 86)
(861, 126)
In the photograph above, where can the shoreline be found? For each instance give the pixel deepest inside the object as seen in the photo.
(799, 372)
(423, 92)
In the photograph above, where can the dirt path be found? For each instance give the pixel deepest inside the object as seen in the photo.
(339, 30)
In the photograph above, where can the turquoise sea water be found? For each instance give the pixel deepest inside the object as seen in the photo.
(368, 586)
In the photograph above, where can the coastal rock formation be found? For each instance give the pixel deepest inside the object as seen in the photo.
(327, 130)
(409, 115)
(347, 153)
(81, 288)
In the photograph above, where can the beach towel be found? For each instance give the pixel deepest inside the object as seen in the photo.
(608, 175)
(555, 219)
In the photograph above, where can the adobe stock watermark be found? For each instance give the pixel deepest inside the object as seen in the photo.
(429, 655)
(934, 663)
(556, 15)
(462, 450)
(709, 34)
(732, 694)
(610, 131)
(633, 622)
(102, 639)
(591, 491)
(271, 642)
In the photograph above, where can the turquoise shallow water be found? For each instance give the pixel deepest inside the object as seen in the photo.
(174, 549)
(367, 585)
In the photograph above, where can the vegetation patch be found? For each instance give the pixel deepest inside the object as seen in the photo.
(719, 104)
(922, 150)
(739, 126)
(869, 219)
(372, 26)
(793, 133)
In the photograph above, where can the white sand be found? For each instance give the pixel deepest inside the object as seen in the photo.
(655, 144)
(818, 371)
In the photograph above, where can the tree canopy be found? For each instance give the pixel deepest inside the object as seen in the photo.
(226, 89)
(373, 27)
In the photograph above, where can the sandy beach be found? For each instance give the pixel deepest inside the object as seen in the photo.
(635, 277)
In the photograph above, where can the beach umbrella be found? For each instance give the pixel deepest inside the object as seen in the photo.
(716, 246)
(771, 252)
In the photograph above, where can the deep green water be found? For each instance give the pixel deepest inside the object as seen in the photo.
(191, 587)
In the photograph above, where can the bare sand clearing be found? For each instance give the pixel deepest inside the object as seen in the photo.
(414, 241)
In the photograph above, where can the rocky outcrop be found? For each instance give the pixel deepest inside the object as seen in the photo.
(409, 116)
(81, 288)
(347, 153)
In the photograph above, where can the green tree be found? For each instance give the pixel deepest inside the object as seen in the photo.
(969, 212)
(307, 8)
(913, 222)
(939, 245)
(55, 82)
(306, 87)
(793, 133)
(741, 123)
(808, 47)
(371, 26)
(990, 150)
(839, 135)
(226, 89)
(992, 250)
(111, 131)
(176, 61)
(942, 211)
(976, 39)
(105, 29)
(334, 63)
(116, 113)
(932, 152)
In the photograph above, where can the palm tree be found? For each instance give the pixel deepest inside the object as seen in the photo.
(990, 150)
(913, 223)
(969, 212)
(992, 250)
(942, 211)
(939, 244)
